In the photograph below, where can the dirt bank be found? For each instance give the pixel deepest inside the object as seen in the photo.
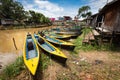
(6, 59)
(92, 65)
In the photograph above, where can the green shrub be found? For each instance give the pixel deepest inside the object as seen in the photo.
(15, 68)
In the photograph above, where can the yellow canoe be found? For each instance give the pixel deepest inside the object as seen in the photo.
(58, 41)
(31, 54)
(48, 47)
(59, 36)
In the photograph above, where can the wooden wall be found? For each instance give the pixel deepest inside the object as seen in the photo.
(112, 18)
(117, 21)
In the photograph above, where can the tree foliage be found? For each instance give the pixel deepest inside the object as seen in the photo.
(84, 12)
(37, 18)
(11, 9)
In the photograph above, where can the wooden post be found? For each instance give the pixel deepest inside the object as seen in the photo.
(14, 43)
(111, 40)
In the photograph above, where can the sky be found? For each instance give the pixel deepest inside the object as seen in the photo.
(59, 8)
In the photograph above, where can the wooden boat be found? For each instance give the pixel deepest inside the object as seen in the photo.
(58, 42)
(31, 54)
(46, 46)
(60, 36)
(68, 33)
(55, 35)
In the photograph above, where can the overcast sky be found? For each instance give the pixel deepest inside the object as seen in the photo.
(57, 8)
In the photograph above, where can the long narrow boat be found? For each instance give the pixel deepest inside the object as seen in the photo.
(51, 34)
(46, 46)
(31, 54)
(58, 42)
(68, 32)
(60, 36)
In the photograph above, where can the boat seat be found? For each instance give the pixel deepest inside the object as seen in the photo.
(41, 41)
(30, 46)
(28, 34)
(32, 54)
(42, 34)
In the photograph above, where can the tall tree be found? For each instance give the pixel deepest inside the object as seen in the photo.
(84, 12)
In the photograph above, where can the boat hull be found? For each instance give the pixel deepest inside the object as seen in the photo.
(49, 48)
(31, 62)
(60, 43)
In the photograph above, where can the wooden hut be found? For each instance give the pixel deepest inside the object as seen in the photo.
(110, 19)
(88, 20)
(94, 20)
(108, 22)
(7, 21)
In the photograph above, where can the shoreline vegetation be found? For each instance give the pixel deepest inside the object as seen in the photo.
(13, 69)
(22, 27)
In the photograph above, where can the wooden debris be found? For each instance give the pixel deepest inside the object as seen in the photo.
(91, 36)
(88, 38)
(103, 30)
(95, 33)
(85, 41)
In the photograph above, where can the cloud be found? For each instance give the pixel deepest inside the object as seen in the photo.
(46, 5)
(97, 4)
(49, 9)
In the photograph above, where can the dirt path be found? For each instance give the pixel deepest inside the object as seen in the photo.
(92, 65)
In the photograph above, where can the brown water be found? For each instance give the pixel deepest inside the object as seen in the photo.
(6, 39)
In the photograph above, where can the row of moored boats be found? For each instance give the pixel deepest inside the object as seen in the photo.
(31, 53)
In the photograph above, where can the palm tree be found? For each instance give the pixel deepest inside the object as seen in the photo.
(88, 14)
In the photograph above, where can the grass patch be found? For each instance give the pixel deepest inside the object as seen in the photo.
(45, 60)
(14, 69)
(88, 47)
